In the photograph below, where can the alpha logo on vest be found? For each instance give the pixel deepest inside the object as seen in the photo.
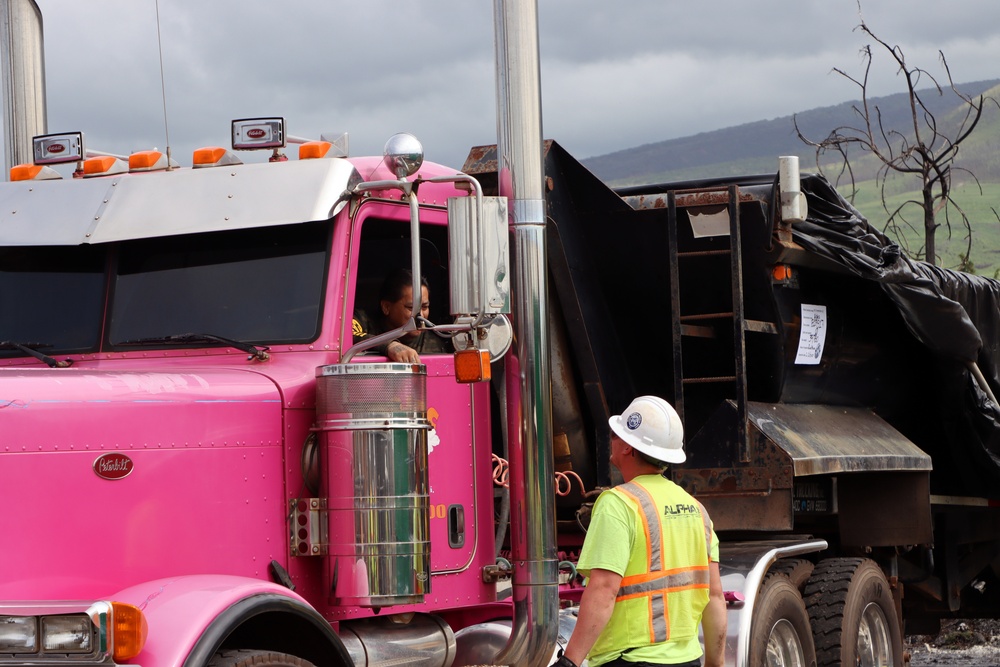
(679, 509)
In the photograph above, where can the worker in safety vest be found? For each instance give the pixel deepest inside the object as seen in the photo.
(651, 556)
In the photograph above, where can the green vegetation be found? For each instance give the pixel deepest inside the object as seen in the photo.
(981, 208)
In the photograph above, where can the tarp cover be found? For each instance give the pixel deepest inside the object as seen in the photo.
(954, 314)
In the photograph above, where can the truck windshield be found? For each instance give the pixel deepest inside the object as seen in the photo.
(258, 285)
(51, 299)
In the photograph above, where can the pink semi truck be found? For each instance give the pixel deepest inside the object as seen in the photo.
(194, 447)
(203, 463)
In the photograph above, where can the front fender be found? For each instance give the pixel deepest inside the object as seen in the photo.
(191, 617)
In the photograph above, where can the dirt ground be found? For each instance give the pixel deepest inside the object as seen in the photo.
(960, 644)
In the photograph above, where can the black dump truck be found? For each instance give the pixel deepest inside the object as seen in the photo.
(838, 398)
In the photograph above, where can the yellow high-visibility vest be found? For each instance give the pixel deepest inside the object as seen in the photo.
(665, 586)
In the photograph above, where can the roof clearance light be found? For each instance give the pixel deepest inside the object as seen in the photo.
(149, 161)
(258, 133)
(33, 172)
(57, 148)
(103, 165)
(314, 149)
(214, 156)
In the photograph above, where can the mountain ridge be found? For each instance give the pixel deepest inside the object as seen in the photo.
(754, 146)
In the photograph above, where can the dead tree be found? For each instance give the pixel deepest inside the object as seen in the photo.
(925, 150)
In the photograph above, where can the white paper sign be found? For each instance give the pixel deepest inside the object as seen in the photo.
(812, 336)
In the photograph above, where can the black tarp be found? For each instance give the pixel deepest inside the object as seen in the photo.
(955, 315)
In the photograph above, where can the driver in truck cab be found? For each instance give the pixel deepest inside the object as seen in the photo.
(396, 305)
(651, 556)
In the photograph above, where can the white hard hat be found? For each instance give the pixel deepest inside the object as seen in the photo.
(651, 425)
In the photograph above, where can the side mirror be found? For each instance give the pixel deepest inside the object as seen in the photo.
(478, 256)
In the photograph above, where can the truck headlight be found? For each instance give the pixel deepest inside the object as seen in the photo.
(67, 634)
(86, 633)
(18, 634)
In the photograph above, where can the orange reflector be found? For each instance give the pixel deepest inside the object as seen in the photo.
(314, 149)
(472, 365)
(130, 630)
(144, 160)
(24, 172)
(781, 272)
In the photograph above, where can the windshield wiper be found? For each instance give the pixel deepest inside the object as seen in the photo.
(258, 353)
(27, 349)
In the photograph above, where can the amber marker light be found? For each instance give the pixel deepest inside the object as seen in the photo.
(208, 155)
(129, 629)
(103, 165)
(147, 161)
(214, 156)
(472, 365)
(33, 172)
(781, 272)
(311, 150)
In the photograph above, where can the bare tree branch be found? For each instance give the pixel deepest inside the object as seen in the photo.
(925, 150)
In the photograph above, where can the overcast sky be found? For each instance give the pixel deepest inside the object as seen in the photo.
(614, 74)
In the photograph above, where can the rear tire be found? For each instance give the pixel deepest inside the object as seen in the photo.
(797, 570)
(255, 658)
(853, 615)
(780, 635)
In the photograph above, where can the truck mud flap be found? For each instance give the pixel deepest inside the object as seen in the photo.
(865, 462)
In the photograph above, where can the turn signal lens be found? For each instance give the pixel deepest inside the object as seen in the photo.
(129, 629)
(472, 365)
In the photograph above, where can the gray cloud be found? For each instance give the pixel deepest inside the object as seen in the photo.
(613, 75)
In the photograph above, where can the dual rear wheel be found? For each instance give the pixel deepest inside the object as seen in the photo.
(841, 613)
(853, 614)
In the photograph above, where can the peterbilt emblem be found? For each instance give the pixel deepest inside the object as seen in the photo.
(113, 466)
(55, 148)
(256, 133)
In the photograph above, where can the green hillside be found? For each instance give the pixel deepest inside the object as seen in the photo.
(753, 149)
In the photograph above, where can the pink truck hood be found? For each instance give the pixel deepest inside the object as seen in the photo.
(203, 453)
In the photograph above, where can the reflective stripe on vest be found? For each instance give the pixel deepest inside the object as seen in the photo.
(656, 583)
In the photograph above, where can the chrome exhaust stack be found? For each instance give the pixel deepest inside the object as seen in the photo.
(521, 177)
(23, 60)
